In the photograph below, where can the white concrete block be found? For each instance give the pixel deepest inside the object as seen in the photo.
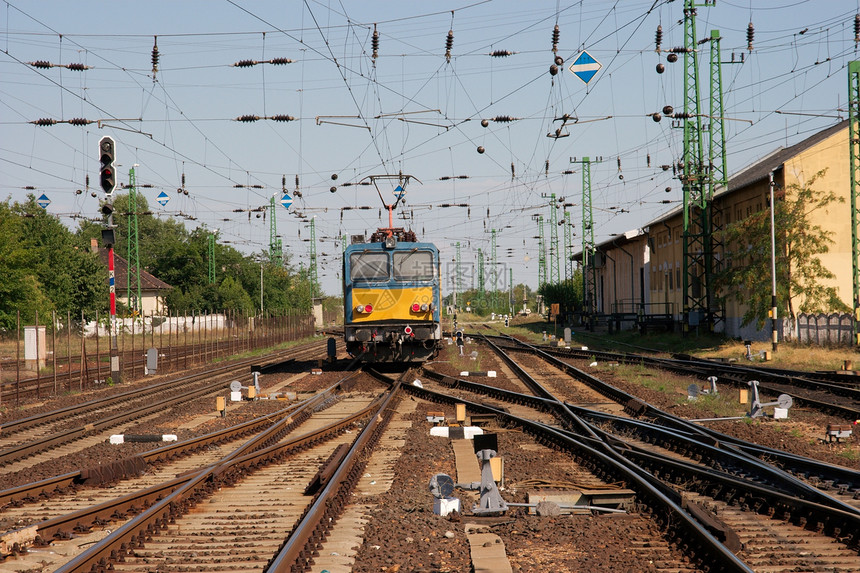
(117, 439)
(446, 505)
(236, 396)
(169, 437)
(780, 413)
(491, 373)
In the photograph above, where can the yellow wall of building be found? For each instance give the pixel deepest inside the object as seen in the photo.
(832, 154)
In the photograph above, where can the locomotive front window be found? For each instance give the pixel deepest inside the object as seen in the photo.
(368, 266)
(413, 266)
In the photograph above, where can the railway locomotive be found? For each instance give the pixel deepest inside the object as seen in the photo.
(391, 293)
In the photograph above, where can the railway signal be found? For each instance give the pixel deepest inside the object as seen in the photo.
(107, 156)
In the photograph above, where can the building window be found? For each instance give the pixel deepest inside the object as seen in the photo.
(669, 275)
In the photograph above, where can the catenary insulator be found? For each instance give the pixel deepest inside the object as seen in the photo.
(284, 183)
(245, 63)
(750, 36)
(87, 181)
(668, 109)
(555, 35)
(658, 38)
(155, 56)
(79, 121)
(513, 171)
(280, 61)
(183, 179)
(449, 43)
(546, 167)
(504, 118)
(282, 118)
(648, 160)
(45, 121)
(75, 67)
(619, 163)
(501, 53)
(672, 58)
(856, 28)
(248, 118)
(374, 43)
(42, 64)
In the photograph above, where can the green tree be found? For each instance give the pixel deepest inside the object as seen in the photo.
(746, 275)
(567, 293)
(44, 267)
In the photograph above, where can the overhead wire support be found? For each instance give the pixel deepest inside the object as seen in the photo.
(568, 246)
(589, 247)
(854, 158)
(717, 175)
(276, 252)
(696, 243)
(541, 253)
(133, 290)
(554, 267)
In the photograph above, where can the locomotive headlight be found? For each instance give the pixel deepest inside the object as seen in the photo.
(424, 308)
(360, 308)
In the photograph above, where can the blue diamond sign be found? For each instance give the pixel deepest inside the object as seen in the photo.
(43, 201)
(584, 67)
(399, 192)
(286, 200)
(162, 198)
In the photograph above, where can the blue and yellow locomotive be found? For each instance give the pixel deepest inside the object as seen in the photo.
(392, 298)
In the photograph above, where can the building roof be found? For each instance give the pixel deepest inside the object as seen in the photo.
(760, 170)
(148, 282)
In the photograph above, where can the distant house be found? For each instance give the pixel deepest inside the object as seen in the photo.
(152, 289)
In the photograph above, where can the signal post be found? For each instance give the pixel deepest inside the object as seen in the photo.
(107, 180)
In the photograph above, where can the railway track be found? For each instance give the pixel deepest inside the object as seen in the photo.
(715, 503)
(830, 393)
(80, 426)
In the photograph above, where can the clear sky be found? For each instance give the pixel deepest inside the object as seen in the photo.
(412, 109)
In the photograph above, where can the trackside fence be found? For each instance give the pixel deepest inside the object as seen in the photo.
(67, 354)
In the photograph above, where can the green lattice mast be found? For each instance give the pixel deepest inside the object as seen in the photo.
(568, 246)
(133, 275)
(854, 157)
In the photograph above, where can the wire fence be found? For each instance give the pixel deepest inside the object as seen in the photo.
(66, 354)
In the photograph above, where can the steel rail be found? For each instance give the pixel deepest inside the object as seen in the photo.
(197, 487)
(297, 551)
(700, 544)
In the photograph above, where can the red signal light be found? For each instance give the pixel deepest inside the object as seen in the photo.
(416, 307)
(368, 308)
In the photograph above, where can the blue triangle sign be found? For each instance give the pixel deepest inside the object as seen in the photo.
(162, 198)
(43, 201)
(286, 200)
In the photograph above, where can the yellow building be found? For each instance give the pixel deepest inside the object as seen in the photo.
(747, 193)
(655, 281)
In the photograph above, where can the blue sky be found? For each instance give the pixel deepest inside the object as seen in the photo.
(410, 110)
